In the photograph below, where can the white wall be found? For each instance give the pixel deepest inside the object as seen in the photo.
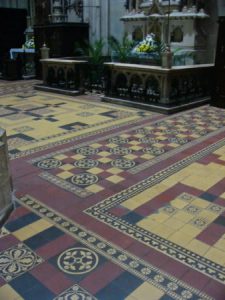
(103, 17)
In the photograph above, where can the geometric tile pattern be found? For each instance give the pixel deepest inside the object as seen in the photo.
(48, 119)
(16, 261)
(113, 159)
(175, 227)
(77, 261)
(3, 232)
(116, 203)
(20, 87)
(141, 269)
(75, 292)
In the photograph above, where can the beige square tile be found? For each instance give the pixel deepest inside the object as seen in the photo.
(216, 255)
(67, 167)
(146, 291)
(95, 145)
(178, 203)
(115, 179)
(95, 171)
(78, 156)
(94, 188)
(105, 160)
(60, 156)
(104, 153)
(147, 156)
(130, 156)
(180, 238)
(136, 148)
(8, 293)
(198, 247)
(65, 175)
(114, 171)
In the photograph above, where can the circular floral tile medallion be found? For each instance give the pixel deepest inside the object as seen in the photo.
(77, 261)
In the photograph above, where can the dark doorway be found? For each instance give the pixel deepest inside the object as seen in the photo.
(13, 25)
(218, 91)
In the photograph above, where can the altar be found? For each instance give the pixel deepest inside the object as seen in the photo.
(15, 51)
(27, 57)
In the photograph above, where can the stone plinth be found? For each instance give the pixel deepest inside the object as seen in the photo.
(6, 204)
(166, 90)
(65, 76)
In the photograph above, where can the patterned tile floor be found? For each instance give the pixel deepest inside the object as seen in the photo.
(112, 202)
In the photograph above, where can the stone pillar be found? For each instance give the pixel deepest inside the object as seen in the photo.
(6, 204)
(167, 59)
(165, 89)
(44, 52)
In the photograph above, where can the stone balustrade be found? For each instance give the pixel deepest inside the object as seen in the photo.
(6, 204)
(157, 87)
(63, 74)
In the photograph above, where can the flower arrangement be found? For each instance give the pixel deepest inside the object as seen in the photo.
(29, 44)
(148, 45)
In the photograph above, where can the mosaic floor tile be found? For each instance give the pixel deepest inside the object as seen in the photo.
(45, 118)
(113, 202)
(75, 292)
(16, 261)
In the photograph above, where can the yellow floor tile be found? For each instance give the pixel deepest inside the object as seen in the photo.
(220, 151)
(40, 225)
(173, 145)
(105, 160)
(125, 135)
(145, 196)
(136, 148)
(96, 145)
(182, 135)
(216, 255)
(208, 215)
(178, 203)
(201, 203)
(223, 196)
(8, 293)
(130, 156)
(158, 145)
(174, 223)
(146, 291)
(159, 217)
(134, 143)
(147, 224)
(162, 230)
(180, 238)
(220, 244)
(111, 145)
(190, 230)
(60, 157)
(78, 156)
(94, 188)
(104, 153)
(147, 156)
(24, 233)
(65, 175)
(114, 171)
(95, 170)
(115, 179)
(198, 247)
(66, 167)
(183, 216)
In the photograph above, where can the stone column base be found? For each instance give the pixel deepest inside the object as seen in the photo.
(6, 203)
